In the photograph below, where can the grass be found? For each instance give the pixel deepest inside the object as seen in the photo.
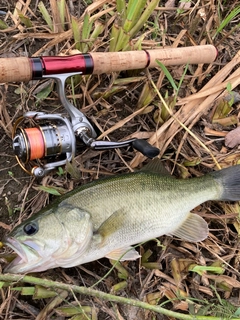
(227, 20)
(181, 110)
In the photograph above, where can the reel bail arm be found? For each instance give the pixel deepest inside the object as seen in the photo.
(78, 119)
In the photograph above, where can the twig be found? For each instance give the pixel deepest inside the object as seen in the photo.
(102, 295)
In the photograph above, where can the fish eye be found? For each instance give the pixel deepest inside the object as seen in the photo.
(30, 228)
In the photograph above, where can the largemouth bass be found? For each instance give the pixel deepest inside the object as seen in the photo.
(106, 217)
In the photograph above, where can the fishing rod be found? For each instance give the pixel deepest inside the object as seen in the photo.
(50, 139)
(26, 69)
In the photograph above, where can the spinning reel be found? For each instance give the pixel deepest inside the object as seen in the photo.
(49, 140)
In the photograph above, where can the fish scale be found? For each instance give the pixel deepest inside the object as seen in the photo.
(158, 197)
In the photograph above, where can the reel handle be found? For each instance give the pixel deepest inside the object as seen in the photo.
(138, 144)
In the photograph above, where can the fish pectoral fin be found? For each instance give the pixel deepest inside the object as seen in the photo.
(194, 229)
(122, 254)
(110, 228)
(113, 224)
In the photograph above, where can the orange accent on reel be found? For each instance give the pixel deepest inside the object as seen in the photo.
(36, 143)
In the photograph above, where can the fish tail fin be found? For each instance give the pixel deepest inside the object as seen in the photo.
(229, 181)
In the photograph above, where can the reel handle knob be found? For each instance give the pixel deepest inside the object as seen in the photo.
(145, 148)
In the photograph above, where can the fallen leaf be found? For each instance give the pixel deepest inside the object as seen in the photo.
(184, 5)
(170, 4)
(232, 139)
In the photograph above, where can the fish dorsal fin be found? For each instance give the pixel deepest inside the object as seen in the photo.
(156, 166)
(193, 229)
(122, 254)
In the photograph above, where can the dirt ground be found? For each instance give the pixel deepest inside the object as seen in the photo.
(21, 195)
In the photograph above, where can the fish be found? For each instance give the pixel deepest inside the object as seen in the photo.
(107, 217)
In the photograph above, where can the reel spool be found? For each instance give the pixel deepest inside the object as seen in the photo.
(49, 141)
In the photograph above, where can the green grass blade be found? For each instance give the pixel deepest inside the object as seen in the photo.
(121, 36)
(183, 75)
(46, 15)
(61, 8)
(25, 20)
(56, 191)
(114, 37)
(227, 20)
(98, 29)
(168, 75)
(121, 9)
(134, 14)
(76, 33)
(138, 43)
(85, 32)
(86, 26)
(131, 3)
(3, 25)
(144, 17)
(123, 39)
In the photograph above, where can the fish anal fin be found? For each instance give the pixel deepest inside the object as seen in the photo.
(122, 254)
(156, 166)
(194, 229)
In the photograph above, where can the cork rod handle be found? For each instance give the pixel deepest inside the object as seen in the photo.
(22, 68)
(129, 60)
(15, 69)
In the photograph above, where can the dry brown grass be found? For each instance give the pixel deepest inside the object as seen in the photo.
(166, 273)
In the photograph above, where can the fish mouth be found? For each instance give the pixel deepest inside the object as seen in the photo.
(25, 256)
